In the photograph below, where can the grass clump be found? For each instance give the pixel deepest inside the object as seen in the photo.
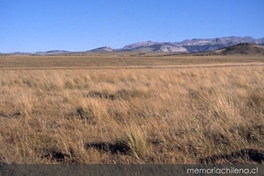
(137, 142)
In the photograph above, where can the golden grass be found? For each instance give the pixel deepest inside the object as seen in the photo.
(129, 115)
(118, 60)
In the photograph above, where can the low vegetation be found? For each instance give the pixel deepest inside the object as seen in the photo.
(120, 60)
(132, 115)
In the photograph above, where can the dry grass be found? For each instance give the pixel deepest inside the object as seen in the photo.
(129, 115)
(118, 60)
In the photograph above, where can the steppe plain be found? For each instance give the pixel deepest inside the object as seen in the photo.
(131, 108)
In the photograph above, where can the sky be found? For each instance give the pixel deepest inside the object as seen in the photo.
(81, 25)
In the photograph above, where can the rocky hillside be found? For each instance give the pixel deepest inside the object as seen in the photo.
(191, 46)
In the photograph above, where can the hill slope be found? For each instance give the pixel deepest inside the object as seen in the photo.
(243, 49)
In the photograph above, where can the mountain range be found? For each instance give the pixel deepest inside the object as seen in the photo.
(186, 46)
(190, 46)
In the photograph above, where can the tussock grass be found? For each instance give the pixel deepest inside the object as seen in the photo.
(129, 116)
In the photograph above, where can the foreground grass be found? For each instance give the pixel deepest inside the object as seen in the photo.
(130, 116)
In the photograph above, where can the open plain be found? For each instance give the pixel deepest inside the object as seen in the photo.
(131, 108)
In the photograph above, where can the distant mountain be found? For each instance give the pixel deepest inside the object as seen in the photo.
(136, 46)
(17, 53)
(186, 46)
(52, 52)
(102, 49)
(194, 45)
(242, 49)
(150, 46)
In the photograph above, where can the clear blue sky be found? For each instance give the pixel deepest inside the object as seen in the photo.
(80, 25)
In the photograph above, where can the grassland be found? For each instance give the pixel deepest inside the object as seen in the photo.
(51, 112)
(120, 60)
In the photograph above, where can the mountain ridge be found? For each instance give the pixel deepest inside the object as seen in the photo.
(198, 45)
(186, 46)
